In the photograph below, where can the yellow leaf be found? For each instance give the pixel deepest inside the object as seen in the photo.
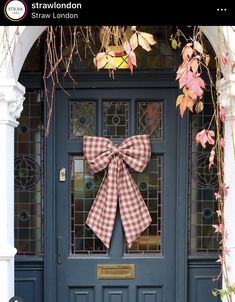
(179, 99)
(207, 59)
(187, 52)
(143, 43)
(148, 37)
(134, 41)
(100, 60)
(198, 47)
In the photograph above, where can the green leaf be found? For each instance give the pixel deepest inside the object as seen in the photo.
(174, 43)
(214, 292)
(222, 294)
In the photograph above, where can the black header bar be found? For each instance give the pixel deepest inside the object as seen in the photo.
(95, 12)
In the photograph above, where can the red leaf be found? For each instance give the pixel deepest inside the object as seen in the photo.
(218, 228)
(224, 58)
(132, 57)
(222, 142)
(127, 47)
(205, 136)
(181, 70)
(187, 52)
(217, 195)
(222, 114)
(130, 64)
(211, 158)
(195, 83)
(194, 65)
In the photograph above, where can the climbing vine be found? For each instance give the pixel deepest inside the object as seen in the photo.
(195, 60)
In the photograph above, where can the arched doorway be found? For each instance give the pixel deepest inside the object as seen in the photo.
(66, 242)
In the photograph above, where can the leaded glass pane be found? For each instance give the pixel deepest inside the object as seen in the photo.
(150, 119)
(84, 187)
(150, 186)
(202, 186)
(82, 119)
(116, 119)
(28, 177)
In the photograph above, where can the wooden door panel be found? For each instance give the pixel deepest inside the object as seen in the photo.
(153, 255)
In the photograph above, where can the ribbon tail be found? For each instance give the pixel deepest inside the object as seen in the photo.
(102, 214)
(134, 213)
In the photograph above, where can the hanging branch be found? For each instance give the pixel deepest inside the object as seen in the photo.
(195, 59)
(63, 48)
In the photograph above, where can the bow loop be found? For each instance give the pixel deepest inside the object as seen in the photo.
(118, 185)
(97, 151)
(136, 151)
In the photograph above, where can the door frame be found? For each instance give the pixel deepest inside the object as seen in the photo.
(122, 80)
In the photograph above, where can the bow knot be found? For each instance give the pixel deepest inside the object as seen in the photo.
(118, 185)
(115, 150)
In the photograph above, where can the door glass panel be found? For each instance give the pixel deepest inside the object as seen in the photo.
(150, 119)
(116, 121)
(150, 186)
(82, 119)
(203, 184)
(84, 187)
(29, 177)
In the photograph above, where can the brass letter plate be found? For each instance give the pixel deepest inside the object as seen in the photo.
(116, 271)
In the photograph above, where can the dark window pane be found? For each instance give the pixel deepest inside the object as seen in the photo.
(82, 119)
(116, 122)
(28, 177)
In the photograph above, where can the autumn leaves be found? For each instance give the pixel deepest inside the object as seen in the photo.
(106, 58)
(190, 78)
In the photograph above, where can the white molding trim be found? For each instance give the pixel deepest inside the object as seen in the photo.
(7, 252)
(227, 96)
(11, 102)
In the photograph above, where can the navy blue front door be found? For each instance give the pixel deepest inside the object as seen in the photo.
(145, 272)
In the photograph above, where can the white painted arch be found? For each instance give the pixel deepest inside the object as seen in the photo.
(12, 57)
(221, 38)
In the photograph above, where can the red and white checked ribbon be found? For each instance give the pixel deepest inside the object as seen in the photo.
(118, 185)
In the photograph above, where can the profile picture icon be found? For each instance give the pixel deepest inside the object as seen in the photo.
(15, 10)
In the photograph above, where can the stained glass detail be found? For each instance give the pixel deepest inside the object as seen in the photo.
(116, 119)
(27, 172)
(150, 185)
(200, 172)
(84, 188)
(29, 177)
(202, 186)
(150, 119)
(82, 118)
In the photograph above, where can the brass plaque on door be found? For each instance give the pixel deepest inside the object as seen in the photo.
(116, 271)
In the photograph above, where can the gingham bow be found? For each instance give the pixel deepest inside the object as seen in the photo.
(118, 185)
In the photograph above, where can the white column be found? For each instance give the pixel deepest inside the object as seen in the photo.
(11, 105)
(228, 99)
